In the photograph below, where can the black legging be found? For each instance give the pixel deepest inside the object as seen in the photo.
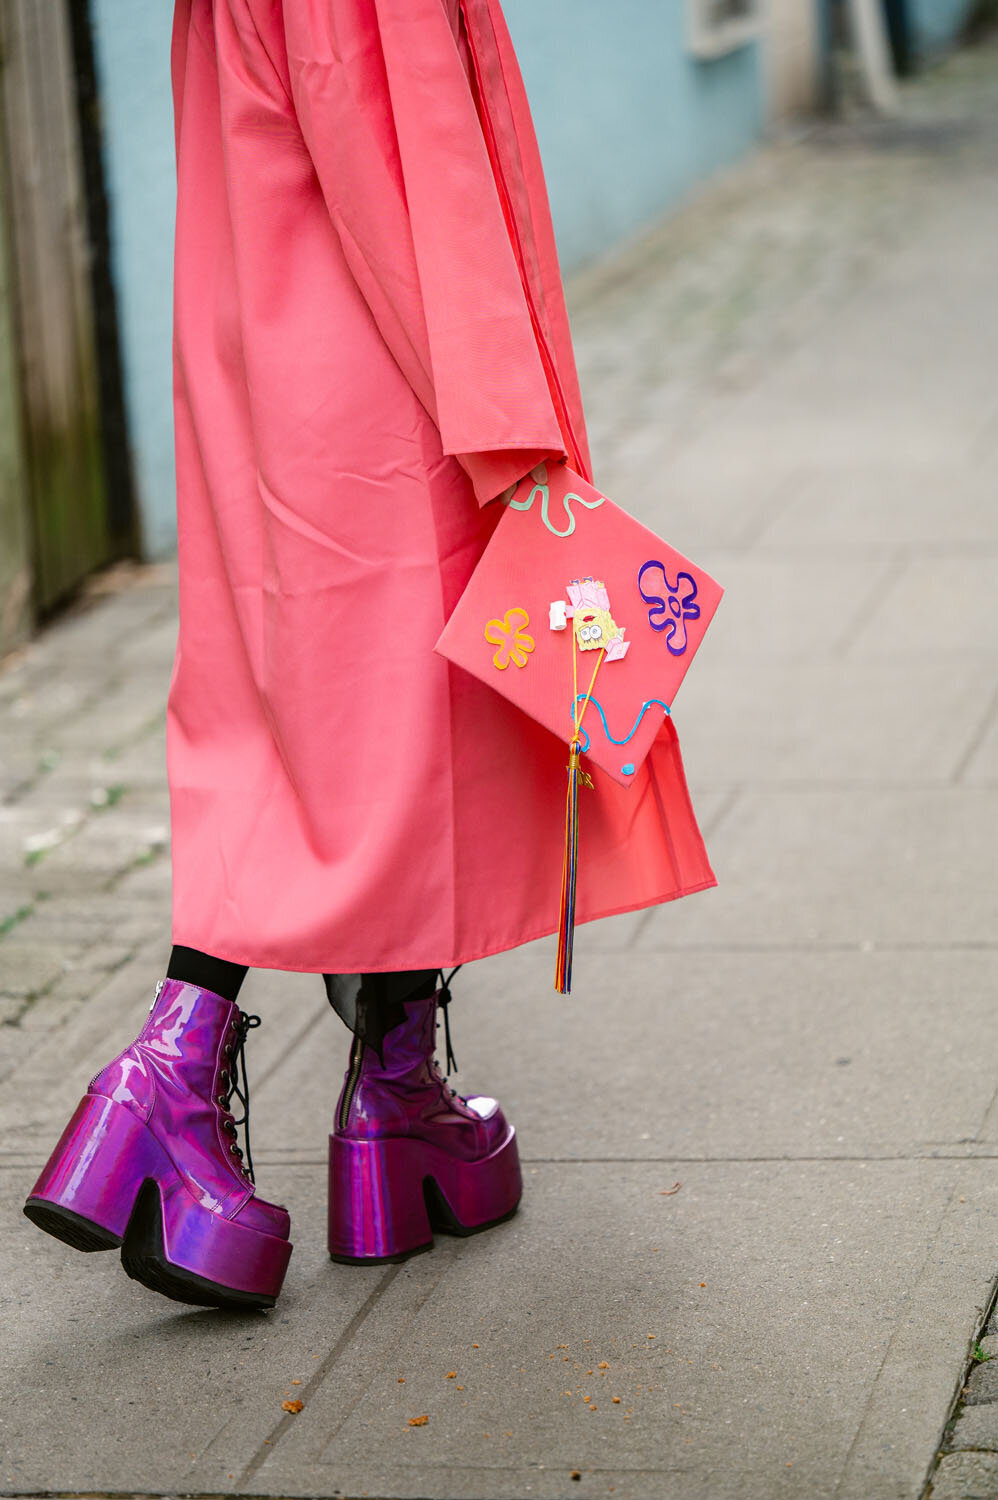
(370, 1004)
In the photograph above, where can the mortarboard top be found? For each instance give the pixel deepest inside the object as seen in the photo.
(566, 560)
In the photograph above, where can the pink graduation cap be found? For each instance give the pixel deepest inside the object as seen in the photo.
(567, 562)
(588, 622)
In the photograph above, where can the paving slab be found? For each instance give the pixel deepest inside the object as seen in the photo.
(888, 507)
(140, 764)
(966, 1476)
(131, 1389)
(857, 866)
(106, 620)
(834, 721)
(148, 883)
(976, 1428)
(72, 916)
(774, 607)
(25, 968)
(700, 498)
(697, 1310)
(934, 606)
(981, 766)
(841, 1054)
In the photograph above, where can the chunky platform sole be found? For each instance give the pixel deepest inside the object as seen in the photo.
(109, 1184)
(387, 1197)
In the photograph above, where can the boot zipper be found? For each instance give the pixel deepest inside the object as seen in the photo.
(350, 1086)
(159, 985)
(547, 357)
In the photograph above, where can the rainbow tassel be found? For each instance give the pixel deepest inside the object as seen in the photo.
(569, 871)
(570, 865)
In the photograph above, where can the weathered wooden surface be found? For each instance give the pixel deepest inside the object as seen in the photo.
(52, 296)
(15, 542)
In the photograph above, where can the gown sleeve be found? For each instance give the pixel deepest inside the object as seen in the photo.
(383, 98)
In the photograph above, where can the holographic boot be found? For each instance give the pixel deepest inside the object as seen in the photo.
(149, 1162)
(409, 1156)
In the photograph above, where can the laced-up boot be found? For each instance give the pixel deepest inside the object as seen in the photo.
(150, 1163)
(409, 1155)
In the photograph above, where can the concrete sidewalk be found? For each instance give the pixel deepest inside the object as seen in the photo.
(758, 1237)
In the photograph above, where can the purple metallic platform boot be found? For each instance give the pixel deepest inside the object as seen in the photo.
(409, 1156)
(149, 1162)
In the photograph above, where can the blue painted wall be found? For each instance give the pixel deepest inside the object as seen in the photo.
(132, 47)
(626, 118)
(627, 121)
(936, 24)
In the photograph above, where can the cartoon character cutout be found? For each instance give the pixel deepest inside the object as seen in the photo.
(589, 610)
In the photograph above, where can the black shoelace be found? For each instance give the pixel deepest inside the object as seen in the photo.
(443, 1000)
(236, 1050)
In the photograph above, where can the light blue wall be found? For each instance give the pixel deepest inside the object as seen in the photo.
(132, 46)
(627, 121)
(936, 24)
(626, 118)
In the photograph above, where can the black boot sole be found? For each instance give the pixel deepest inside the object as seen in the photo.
(142, 1254)
(73, 1230)
(144, 1260)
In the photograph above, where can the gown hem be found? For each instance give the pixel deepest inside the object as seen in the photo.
(463, 956)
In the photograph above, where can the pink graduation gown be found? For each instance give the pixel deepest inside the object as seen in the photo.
(371, 344)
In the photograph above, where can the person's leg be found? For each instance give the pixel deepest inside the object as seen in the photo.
(208, 973)
(371, 1005)
(408, 1155)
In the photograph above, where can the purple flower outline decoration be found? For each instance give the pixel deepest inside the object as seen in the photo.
(673, 608)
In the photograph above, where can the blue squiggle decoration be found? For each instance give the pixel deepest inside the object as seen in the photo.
(542, 489)
(649, 702)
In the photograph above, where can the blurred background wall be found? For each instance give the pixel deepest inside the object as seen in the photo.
(132, 47)
(935, 23)
(627, 116)
(635, 102)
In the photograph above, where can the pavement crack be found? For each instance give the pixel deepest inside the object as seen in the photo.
(868, 606)
(975, 741)
(720, 815)
(278, 1431)
(280, 1428)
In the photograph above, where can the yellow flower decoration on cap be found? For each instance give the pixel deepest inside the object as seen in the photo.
(508, 634)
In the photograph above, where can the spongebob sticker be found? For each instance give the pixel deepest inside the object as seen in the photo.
(589, 610)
